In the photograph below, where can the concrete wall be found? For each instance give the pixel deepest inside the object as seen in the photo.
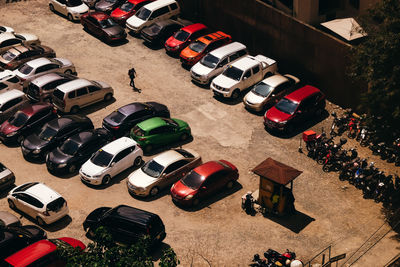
(301, 50)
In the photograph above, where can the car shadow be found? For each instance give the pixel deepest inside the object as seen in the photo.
(133, 34)
(157, 252)
(91, 108)
(67, 175)
(160, 149)
(202, 86)
(35, 161)
(173, 55)
(5, 190)
(156, 46)
(186, 67)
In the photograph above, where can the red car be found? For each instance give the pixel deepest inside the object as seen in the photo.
(127, 10)
(42, 253)
(204, 181)
(23, 122)
(296, 107)
(103, 26)
(176, 43)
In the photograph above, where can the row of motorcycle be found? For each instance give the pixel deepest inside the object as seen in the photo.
(357, 128)
(365, 176)
(273, 258)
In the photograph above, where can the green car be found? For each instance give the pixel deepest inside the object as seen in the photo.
(159, 132)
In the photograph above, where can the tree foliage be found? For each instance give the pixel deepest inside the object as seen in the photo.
(104, 252)
(376, 61)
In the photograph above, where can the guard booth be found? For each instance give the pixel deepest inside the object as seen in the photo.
(276, 186)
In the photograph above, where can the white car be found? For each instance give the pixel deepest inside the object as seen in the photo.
(6, 29)
(162, 171)
(243, 74)
(72, 9)
(8, 40)
(9, 81)
(40, 66)
(38, 201)
(269, 91)
(111, 160)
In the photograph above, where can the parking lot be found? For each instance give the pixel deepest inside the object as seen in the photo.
(218, 233)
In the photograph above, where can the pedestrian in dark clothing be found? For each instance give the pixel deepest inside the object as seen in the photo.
(132, 76)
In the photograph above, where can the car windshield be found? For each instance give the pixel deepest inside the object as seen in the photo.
(47, 133)
(18, 119)
(170, 122)
(287, 106)
(101, 158)
(233, 73)
(117, 116)
(107, 23)
(69, 147)
(153, 168)
(181, 35)
(209, 61)
(72, 3)
(197, 46)
(143, 13)
(127, 6)
(262, 89)
(155, 28)
(8, 55)
(25, 69)
(193, 180)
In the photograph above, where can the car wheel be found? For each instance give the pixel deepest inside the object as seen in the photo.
(195, 202)
(148, 148)
(235, 94)
(229, 184)
(70, 18)
(11, 204)
(68, 72)
(184, 137)
(74, 109)
(72, 168)
(51, 7)
(20, 139)
(106, 180)
(108, 97)
(137, 162)
(40, 221)
(154, 191)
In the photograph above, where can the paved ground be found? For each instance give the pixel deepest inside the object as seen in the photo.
(219, 233)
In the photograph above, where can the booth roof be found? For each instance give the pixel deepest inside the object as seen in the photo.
(276, 171)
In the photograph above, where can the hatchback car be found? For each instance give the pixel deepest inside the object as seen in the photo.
(182, 38)
(9, 81)
(160, 31)
(127, 10)
(77, 149)
(107, 5)
(4, 29)
(111, 160)
(13, 239)
(24, 121)
(7, 178)
(18, 55)
(126, 224)
(121, 121)
(9, 40)
(203, 182)
(201, 46)
(162, 171)
(8, 220)
(40, 66)
(10, 102)
(38, 201)
(102, 26)
(52, 134)
(72, 9)
(43, 252)
(302, 104)
(159, 132)
(269, 91)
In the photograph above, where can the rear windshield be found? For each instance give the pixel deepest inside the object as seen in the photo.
(117, 117)
(137, 131)
(59, 94)
(56, 205)
(72, 3)
(155, 28)
(18, 119)
(25, 187)
(184, 153)
(9, 55)
(181, 35)
(107, 23)
(143, 13)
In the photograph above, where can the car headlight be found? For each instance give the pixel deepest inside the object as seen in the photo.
(282, 122)
(11, 134)
(62, 165)
(188, 197)
(97, 175)
(36, 151)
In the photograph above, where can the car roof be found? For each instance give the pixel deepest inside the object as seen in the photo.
(31, 253)
(99, 15)
(42, 192)
(47, 78)
(133, 214)
(168, 157)
(209, 38)
(275, 80)
(6, 74)
(35, 63)
(227, 49)
(6, 35)
(11, 94)
(246, 62)
(159, 3)
(302, 93)
(151, 123)
(118, 145)
(61, 122)
(83, 137)
(74, 84)
(209, 168)
(34, 108)
(132, 108)
(194, 27)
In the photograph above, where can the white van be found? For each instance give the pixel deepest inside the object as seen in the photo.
(214, 62)
(150, 13)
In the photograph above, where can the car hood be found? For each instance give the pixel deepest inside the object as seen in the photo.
(200, 69)
(33, 142)
(58, 157)
(79, 9)
(140, 179)
(65, 62)
(274, 114)
(172, 42)
(9, 219)
(91, 169)
(29, 37)
(181, 123)
(225, 82)
(188, 53)
(157, 106)
(115, 30)
(7, 128)
(182, 190)
(135, 21)
(95, 215)
(103, 84)
(254, 98)
(118, 13)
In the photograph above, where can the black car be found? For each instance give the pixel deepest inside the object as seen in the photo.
(120, 122)
(160, 31)
(52, 134)
(108, 5)
(126, 224)
(76, 150)
(16, 238)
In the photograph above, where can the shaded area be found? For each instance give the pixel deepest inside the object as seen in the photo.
(295, 222)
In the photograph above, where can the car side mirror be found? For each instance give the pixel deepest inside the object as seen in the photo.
(299, 112)
(273, 95)
(112, 163)
(163, 175)
(244, 78)
(203, 188)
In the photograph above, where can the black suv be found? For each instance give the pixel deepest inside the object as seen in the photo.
(76, 150)
(52, 134)
(126, 224)
(120, 122)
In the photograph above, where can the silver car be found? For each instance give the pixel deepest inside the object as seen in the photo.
(8, 40)
(8, 220)
(7, 177)
(9, 81)
(10, 102)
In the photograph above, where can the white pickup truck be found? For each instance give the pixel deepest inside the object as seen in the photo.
(242, 74)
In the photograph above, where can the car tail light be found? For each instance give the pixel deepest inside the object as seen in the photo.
(9, 65)
(148, 230)
(54, 111)
(115, 127)
(142, 139)
(46, 213)
(139, 146)
(64, 103)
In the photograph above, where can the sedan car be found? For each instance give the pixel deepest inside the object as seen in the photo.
(182, 38)
(269, 91)
(24, 121)
(8, 220)
(38, 201)
(16, 56)
(72, 9)
(160, 31)
(162, 171)
(9, 81)
(9, 40)
(111, 160)
(159, 132)
(127, 10)
(76, 150)
(107, 5)
(40, 66)
(102, 26)
(10, 102)
(7, 178)
(203, 182)
(52, 134)
(121, 121)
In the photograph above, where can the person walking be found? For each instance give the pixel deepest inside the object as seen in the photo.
(132, 75)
